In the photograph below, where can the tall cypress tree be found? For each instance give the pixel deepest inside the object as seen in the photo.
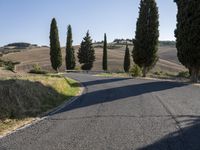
(188, 36)
(55, 50)
(146, 37)
(70, 58)
(86, 53)
(105, 61)
(127, 61)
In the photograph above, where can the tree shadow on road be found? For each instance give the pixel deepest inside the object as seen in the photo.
(103, 81)
(119, 93)
(186, 138)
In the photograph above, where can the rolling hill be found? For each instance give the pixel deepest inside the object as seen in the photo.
(168, 59)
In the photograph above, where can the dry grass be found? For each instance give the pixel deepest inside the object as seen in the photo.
(120, 75)
(27, 97)
(12, 124)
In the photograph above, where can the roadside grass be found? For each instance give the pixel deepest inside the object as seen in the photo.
(22, 99)
(125, 75)
(153, 74)
(162, 75)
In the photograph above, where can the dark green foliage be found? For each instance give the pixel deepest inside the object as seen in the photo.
(135, 71)
(127, 61)
(188, 35)
(86, 53)
(70, 58)
(147, 33)
(55, 50)
(105, 61)
(184, 74)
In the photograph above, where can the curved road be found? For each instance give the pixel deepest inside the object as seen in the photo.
(118, 114)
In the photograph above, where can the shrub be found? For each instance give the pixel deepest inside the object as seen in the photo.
(10, 66)
(114, 47)
(78, 68)
(135, 71)
(98, 46)
(37, 69)
(184, 74)
(158, 73)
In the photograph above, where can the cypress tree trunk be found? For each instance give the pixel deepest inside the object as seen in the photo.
(55, 50)
(144, 72)
(146, 37)
(105, 61)
(195, 75)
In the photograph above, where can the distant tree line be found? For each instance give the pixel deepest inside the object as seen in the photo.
(119, 41)
(167, 43)
(20, 45)
(145, 42)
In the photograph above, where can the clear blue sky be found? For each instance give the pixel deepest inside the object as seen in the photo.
(29, 20)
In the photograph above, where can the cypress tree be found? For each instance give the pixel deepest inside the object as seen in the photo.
(146, 37)
(70, 58)
(105, 61)
(55, 50)
(86, 53)
(127, 61)
(187, 36)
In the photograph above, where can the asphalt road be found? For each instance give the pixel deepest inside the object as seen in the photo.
(119, 114)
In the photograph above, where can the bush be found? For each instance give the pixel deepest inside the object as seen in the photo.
(114, 47)
(135, 71)
(98, 46)
(183, 74)
(78, 68)
(158, 73)
(37, 69)
(10, 66)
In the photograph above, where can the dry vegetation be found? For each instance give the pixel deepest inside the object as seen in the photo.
(26, 97)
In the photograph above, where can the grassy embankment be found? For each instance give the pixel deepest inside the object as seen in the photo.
(24, 98)
(156, 75)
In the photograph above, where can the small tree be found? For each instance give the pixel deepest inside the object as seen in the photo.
(55, 50)
(86, 53)
(105, 61)
(188, 36)
(146, 39)
(70, 58)
(127, 61)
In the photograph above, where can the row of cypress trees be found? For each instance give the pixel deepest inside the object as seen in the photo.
(145, 43)
(86, 54)
(187, 35)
